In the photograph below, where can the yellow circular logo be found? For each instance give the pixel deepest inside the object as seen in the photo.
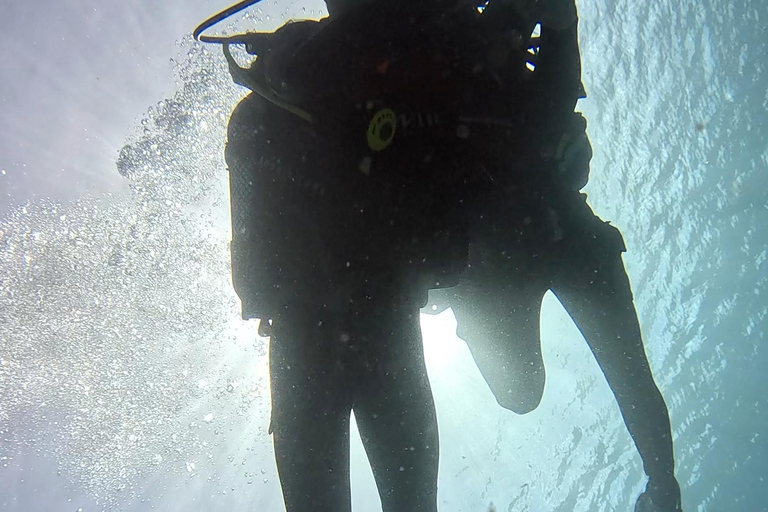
(381, 129)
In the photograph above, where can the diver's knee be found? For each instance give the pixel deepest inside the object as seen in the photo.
(520, 401)
(519, 405)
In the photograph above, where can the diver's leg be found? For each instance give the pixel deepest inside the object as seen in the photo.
(500, 323)
(395, 413)
(595, 290)
(310, 416)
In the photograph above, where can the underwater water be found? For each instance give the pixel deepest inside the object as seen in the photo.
(128, 381)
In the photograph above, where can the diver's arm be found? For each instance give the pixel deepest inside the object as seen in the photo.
(555, 84)
(558, 68)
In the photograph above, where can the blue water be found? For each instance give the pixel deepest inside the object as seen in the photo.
(128, 382)
(692, 203)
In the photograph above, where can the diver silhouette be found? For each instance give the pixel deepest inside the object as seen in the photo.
(532, 237)
(336, 240)
(353, 167)
(365, 169)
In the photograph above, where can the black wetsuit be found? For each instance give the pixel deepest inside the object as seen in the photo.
(540, 234)
(332, 261)
(345, 334)
(339, 257)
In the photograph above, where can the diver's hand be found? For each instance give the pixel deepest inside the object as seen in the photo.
(557, 14)
(660, 496)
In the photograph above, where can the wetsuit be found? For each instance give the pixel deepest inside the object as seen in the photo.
(338, 257)
(537, 234)
(344, 329)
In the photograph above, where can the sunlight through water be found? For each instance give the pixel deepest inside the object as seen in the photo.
(127, 374)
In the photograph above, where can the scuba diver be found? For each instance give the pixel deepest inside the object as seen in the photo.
(317, 257)
(359, 168)
(527, 241)
(340, 227)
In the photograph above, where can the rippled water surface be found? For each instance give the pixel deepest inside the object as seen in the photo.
(127, 380)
